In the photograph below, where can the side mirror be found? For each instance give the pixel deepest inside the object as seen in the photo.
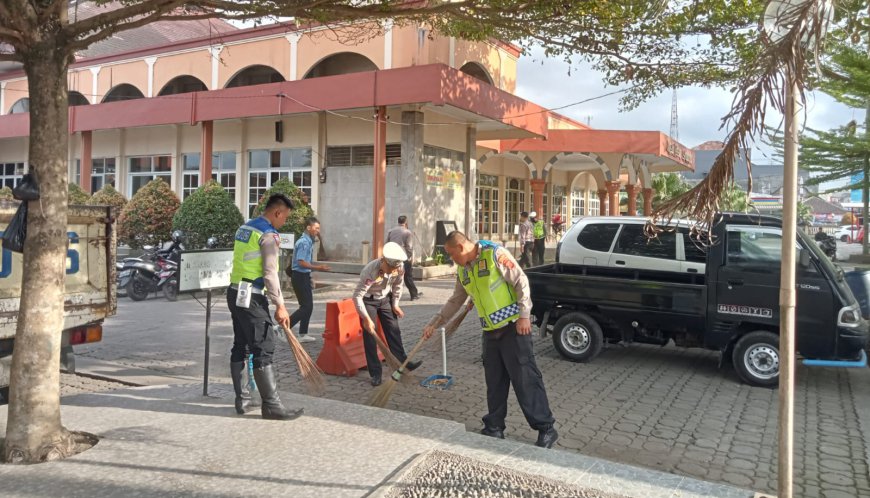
(804, 258)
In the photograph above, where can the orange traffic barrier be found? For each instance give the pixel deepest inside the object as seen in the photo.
(343, 352)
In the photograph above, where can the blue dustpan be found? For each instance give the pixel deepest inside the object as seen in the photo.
(440, 381)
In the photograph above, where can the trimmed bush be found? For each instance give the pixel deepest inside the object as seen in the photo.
(77, 195)
(296, 221)
(108, 196)
(147, 218)
(208, 212)
(6, 194)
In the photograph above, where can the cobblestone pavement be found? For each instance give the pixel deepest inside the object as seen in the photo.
(666, 408)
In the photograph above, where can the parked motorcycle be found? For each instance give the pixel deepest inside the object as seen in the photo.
(154, 271)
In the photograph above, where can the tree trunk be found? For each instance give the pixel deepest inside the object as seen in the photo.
(34, 432)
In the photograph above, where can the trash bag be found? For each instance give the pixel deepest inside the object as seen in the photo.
(16, 231)
(27, 189)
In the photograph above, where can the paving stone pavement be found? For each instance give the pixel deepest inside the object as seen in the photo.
(667, 409)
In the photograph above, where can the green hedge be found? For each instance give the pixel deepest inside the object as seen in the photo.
(147, 218)
(208, 212)
(108, 196)
(77, 196)
(296, 221)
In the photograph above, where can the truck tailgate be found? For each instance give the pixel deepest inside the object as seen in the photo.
(90, 269)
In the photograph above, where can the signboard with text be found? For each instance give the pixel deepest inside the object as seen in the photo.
(204, 270)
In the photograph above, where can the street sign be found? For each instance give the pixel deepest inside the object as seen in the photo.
(204, 270)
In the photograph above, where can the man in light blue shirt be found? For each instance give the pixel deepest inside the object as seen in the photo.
(300, 277)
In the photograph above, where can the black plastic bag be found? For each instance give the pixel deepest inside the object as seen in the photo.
(16, 231)
(27, 189)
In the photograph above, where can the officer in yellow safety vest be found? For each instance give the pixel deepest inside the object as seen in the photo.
(254, 277)
(500, 291)
(540, 235)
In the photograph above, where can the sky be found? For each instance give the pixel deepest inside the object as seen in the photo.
(546, 82)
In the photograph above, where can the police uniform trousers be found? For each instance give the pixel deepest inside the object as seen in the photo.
(383, 310)
(252, 330)
(509, 359)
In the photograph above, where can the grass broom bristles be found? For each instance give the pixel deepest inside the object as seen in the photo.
(381, 396)
(307, 368)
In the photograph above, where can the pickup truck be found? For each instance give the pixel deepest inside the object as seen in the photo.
(90, 291)
(732, 307)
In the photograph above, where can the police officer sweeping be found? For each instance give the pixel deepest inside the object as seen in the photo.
(500, 291)
(253, 279)
(377, 296)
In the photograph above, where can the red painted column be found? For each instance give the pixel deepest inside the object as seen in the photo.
(538, 187)
(379, 177)
(613, 195)
(87, 161)
(207, 150)
(648, 194)
(631, 190)
(602, 202)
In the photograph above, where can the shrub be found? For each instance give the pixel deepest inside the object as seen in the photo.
(147, 218)
(296, 221)
(108, 196)
(6, 194)
(77, 195)
(208, 212)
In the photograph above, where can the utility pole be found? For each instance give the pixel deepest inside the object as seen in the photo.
(675, 125)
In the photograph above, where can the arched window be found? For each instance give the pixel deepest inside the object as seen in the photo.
(343, 63)
(477, 71)
(182, 84)
(255, 75)
(23, 105)
(122, 92)
(76, 98)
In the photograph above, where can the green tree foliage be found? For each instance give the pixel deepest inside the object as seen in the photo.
(296, 221)
(208, 212)
(147, 218)
(6, 194)
(735, 199)
(77, 195)
(667, 186)
(108, 196)
(804, 213)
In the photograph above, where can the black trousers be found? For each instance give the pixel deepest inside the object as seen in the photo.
(526, 256)
(305, 296)
(252, 330)
(509, 359)
(381, 308)
(539, 251)
(409, 280)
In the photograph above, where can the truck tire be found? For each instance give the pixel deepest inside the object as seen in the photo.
(578, 337)
(756, 358)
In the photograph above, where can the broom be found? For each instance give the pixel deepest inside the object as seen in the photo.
(307, 368)
(392, 361)
(382, 396)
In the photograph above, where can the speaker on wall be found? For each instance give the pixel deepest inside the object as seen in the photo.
(279, 131)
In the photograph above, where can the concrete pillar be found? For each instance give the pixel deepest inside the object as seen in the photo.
(379, 177)
(470, 168)
(602, 202)
(150, 61)
(206, 152)
(87, 161)
(2, 98)
(631, 190)
(388, 44)
(95, 85)
(613, 197)
(648, 194)
(538, 187)
(215, 65)
(293, 38)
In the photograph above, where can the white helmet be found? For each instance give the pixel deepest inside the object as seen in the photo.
(394, 251)
(533, 214)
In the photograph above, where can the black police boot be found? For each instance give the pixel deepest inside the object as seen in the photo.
(243, 396)
(413, 365)
(492, 432)
(272, 408)
(547, 437)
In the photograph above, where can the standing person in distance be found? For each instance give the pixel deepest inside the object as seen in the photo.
(526, 240)
(254, 278)
(401, 235)
(300, 277)
(377, 296)
(540, 235)
(500, 291)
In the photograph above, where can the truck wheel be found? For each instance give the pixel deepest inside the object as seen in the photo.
(578, 337)
(756, 358)
(170, 290)
(4, 394)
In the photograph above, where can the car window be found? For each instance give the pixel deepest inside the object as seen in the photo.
(634, 242)
(756, 248)
(696, 251)
(598, 236)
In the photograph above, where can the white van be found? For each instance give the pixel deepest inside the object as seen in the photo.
(620, 241)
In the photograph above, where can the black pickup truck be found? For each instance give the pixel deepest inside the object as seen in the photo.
(733, 307)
